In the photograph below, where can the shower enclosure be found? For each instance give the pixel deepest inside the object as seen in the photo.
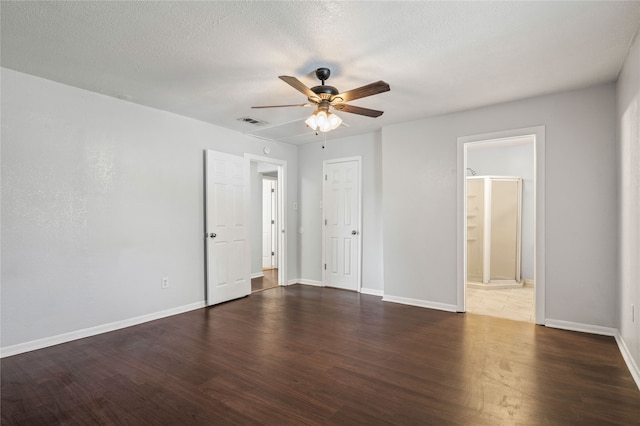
(494, 210)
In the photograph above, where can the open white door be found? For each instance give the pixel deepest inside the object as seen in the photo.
(269, 217)
(227, 227)
(341, 202)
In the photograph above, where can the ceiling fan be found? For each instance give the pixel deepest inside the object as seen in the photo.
(324, 97)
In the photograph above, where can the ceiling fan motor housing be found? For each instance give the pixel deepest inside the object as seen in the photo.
(324, 92)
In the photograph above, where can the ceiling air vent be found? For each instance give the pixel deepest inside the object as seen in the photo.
(252, 121)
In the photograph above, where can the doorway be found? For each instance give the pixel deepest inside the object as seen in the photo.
(268, 242)
(499, 192)
(501, 295)
(267, 277)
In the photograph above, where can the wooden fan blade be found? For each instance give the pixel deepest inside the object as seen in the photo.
(358, 110)
(362, 92)
(299, 86)
(283, 106)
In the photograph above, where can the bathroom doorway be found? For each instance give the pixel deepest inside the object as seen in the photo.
(499, 191)
(500, 219)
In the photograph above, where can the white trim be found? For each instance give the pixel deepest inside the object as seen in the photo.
(257, 275)
(357, 158)
(262, 159)
(292, 282)
(371, 291)
(93, 331)
(486, 240)
(282, 212)
(309, 282)
(421, 303)
(583, 328)
(538, 134)
(628, 358)
(528, 283)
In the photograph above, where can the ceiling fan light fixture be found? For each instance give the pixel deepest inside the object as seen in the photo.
(323, 121)
(311, 122)
(334, 121)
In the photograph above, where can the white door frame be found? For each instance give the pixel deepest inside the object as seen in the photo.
(538, 134)
(274, 225)
(359, 260)
(281, 260)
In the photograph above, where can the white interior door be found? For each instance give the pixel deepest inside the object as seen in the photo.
(342, 228)
(268, 223)
(227, 227)
(274, 224)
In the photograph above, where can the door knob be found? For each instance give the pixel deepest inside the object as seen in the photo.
(354, 232)
(212, 235)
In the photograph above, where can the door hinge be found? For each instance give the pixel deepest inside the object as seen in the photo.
(325, 222)
(325, 177)
(273, 221)
(273, 190)
(325, 266)
(273, 253)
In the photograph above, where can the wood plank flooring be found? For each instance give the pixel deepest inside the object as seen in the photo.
(268, 280)
(310, 355)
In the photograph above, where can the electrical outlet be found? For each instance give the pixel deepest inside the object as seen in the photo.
(165, 283)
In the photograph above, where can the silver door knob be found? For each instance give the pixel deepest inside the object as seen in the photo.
(212, 235)
(354, 232)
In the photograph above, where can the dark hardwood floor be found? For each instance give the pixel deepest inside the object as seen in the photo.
(268, 280)
(310, 355)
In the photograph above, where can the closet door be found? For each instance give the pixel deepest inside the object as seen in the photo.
(504, 230)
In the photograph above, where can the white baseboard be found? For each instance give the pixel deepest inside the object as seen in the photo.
(309, 282)
(583, 328)
(372, 291)
(628, 359)
(257, 275)
(420, 303)
(93, 331)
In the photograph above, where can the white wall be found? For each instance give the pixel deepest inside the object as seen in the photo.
(310, 158)
(516, 160)
(628, 116)
(100, 199)
(256, 219)
(419, 171)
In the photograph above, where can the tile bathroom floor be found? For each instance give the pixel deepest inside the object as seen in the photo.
(513, 303)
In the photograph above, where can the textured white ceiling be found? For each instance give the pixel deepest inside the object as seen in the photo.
(213, 60)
